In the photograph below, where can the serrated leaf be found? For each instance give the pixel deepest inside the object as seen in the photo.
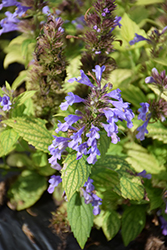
(104, 143)
(133, 221)
(80, 216)
(125, 183)
(27, 189)
(111, 224)
(157, 131)
(8, 138)
(32, 130)
(23, 97)
(130, 188)
(74, 174)
(140, 159)
(133, 95)
(104, 177)
(116, 163)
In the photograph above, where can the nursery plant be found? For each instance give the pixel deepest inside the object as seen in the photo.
(86, 118)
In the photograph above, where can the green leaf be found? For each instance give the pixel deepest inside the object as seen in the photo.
(20, 79)
(23, 97)
(157, 91)
(26, 109)
(8, 87)
(155, 197)
(19, 160)
(162, 61)
(133, 95)
(117, 76)
(104, 177)
(27, 189)
(74, 174)
(104, 143)
(25, 44)
(8, 138)
(147, 2)
(32, 130)
(125, 183)
(157, 131)
(39, 159)
(111, 224)
(141, 160)
(133, 222)
(127, 33)
(80, 216)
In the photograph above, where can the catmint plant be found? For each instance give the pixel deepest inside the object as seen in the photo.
(102, 109)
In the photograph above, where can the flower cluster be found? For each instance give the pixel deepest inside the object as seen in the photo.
(99, 37)
(91, 197)
(160, 80)
(54, 182)
(10, 22)
(102, 109)
(5, 103)
(144, 116)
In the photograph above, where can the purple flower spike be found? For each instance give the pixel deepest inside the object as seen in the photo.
(54, 182)
(98, 71)
(96, 203)
(93, 134)
(142, 130)
(70, 119)
(89, 186)
(114, 94)
(8, 3)
(144, 175)
(9, 23)
(70, 99)
(5, 102)
(85, 80)
(91, 197)
(143, 111)
(137, 39)
(76, 138)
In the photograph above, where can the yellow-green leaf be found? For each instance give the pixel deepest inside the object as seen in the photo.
(8, 138)
(111, 224)
(74, 174)
(32, 130)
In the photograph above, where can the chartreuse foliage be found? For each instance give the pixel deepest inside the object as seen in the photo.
(32, 130)
(74, 174)
(116, 173)
(8, 139)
